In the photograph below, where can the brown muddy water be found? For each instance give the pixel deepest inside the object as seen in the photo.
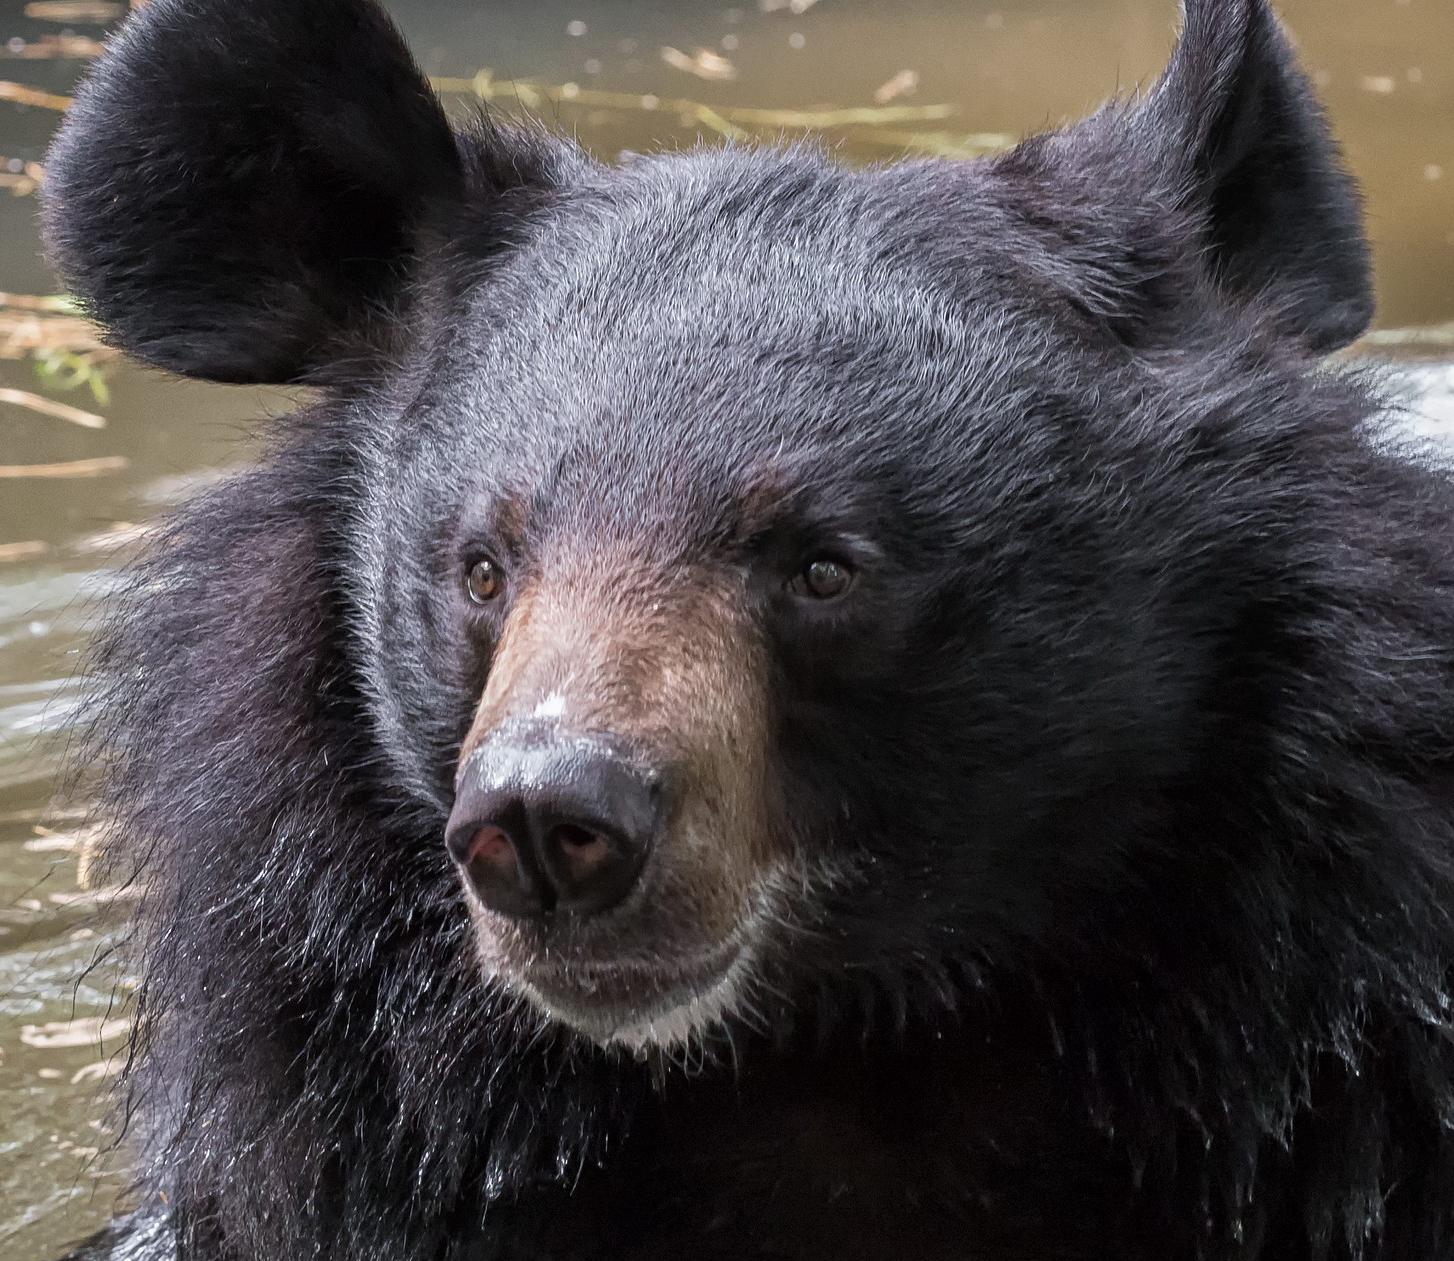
(934, 76)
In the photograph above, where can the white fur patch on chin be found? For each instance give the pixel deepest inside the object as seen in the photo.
(685, 1026)
(669, 1029)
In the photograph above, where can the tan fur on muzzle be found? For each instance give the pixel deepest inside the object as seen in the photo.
(673, 671)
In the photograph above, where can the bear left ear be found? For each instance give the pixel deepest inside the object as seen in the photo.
(1283, 218)
(242, 188)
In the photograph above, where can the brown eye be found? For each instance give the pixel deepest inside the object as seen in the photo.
(485, 581)
(823, 580)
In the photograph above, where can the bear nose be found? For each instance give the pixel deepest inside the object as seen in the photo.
(544, 824)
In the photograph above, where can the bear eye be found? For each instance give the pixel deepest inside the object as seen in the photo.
(486, 581)
(822, 579)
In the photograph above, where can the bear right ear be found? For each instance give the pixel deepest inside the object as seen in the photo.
(239, 188)
(1282, 215)
(1226, 173)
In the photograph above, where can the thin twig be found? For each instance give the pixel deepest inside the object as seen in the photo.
(57, 303)
(938, 144)
(49, 407)
(23, 551)
(530, 94)
(1429, 335)
(857, 116)
(23, 95)
(18, 185)
(97, 11)
(52, 48)
(38, 325)
(98, 467)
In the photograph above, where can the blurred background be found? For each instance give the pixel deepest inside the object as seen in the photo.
(91, 448)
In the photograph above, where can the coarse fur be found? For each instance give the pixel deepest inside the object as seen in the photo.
(1112, 815)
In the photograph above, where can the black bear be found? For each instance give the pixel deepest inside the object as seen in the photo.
(768, 710)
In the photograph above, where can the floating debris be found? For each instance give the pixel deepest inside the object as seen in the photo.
(91, 899)
(1431, 335)
(34, 814)
(905, 83)
(732, 120)
(52, 48)
(46, 841)
(88, 858)
(48, 302)
(20, 177)
(50, 330)
(86, 1031)
(117, 535)
(23, 95)
(704, 63)
(23, 551)
(101, 1070)
(49, 407)
(98, 467)
(936, 144)
(93, 11)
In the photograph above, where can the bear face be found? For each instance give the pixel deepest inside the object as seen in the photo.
(652, 512)
(936, 630)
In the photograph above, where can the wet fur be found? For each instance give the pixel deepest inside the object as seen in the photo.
(1121, 922)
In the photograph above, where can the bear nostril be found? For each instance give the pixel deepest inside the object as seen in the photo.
(491, 846)
(580, 851)
(504, 875)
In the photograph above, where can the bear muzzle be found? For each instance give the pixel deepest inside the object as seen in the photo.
(610, 821)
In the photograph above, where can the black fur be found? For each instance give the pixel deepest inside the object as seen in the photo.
(1132, 751)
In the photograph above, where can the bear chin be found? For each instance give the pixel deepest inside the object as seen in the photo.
(641, 996)
(643, 1007)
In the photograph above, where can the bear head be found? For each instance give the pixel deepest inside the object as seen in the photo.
(765, 579)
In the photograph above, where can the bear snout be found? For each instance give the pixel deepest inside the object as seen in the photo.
(611, 824)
